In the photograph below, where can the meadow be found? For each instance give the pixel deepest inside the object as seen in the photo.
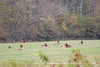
(55, 53)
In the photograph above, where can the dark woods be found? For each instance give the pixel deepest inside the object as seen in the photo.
(46, 20)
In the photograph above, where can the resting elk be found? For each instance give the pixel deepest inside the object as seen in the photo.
(66, 45)
(56, 43)
(45, 45)
(21, 47)
(81, 43)
(8, 48)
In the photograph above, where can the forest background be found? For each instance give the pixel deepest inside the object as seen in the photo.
(46, 20)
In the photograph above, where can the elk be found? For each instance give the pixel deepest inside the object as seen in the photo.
(81, 43)
(56, 43)
(66, 45)
(24, 43)
(45, 45)
(8, 48)
(21, 47)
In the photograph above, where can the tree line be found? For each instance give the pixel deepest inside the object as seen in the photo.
(45, 20)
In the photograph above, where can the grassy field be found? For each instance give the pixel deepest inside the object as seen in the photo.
(90, 48)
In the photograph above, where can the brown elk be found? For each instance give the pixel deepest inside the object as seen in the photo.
(8, 48)
(24, 42)
(81, 43)
(21, 47)
(56, 43)
(66, 45)
(45, 45)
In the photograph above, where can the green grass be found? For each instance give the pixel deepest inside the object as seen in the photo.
(31, 50)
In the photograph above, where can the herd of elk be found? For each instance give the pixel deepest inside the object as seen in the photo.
(20, 48)
(45, 45)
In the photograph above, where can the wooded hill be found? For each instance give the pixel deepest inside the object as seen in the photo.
(45, 20)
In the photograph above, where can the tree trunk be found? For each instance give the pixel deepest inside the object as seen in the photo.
(81, 8)
(92, 7)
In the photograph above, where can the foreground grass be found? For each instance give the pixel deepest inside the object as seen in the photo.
(90, 48)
